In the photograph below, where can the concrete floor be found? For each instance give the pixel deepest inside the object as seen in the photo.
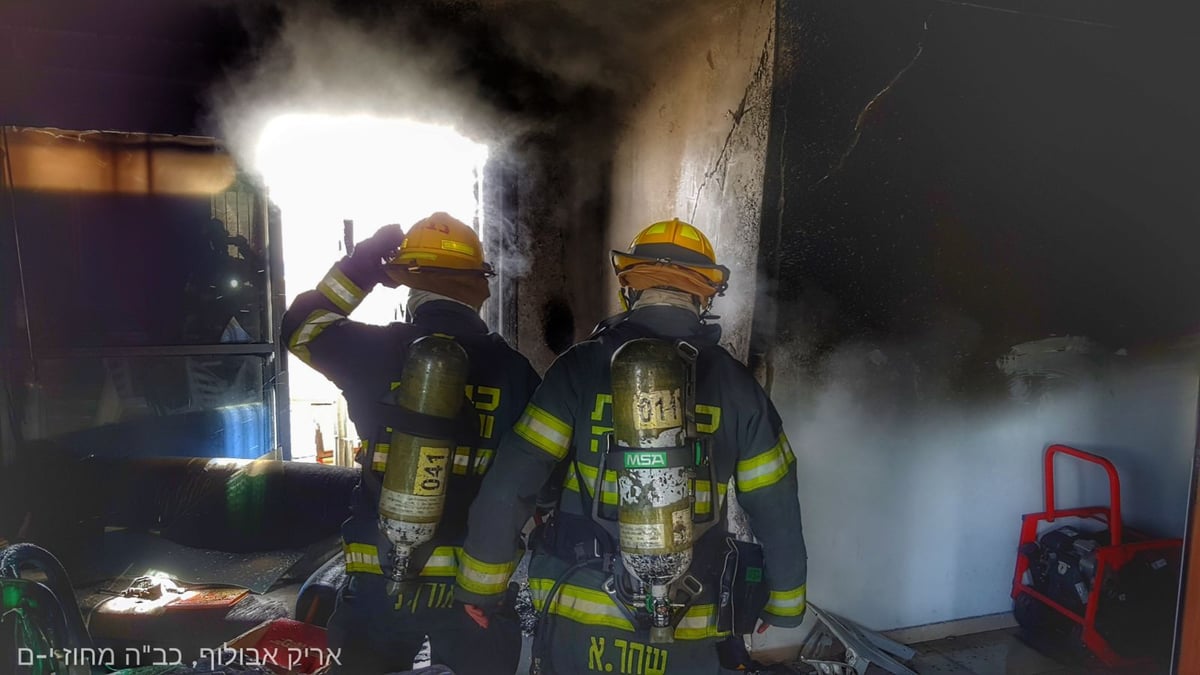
(999, 652)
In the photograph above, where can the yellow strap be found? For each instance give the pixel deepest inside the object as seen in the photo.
(365, 558)
(593, 607)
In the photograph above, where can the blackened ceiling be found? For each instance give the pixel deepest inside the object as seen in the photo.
(145, 65)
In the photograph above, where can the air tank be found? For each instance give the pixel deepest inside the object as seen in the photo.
(654, 509)
(411, 502)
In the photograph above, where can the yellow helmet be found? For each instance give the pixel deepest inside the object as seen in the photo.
(442, 243)
(672, 254)
(443, 255)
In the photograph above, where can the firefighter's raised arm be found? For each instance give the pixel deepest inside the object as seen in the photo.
(315, 326)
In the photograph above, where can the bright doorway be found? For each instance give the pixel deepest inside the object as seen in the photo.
(339, 178)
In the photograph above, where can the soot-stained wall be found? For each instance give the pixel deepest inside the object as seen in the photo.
(1017, 180)
(562, 202)
(692, 147)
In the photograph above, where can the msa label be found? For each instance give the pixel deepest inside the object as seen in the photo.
(645, 460)
(658, 409)
(431, 472)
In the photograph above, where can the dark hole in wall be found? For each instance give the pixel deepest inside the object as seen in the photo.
(558, 325)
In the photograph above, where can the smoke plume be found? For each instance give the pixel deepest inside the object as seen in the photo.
(923, 487)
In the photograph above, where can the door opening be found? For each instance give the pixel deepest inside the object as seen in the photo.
(336, 180)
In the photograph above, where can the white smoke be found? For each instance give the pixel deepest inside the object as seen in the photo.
(913, 493)
(324, 63)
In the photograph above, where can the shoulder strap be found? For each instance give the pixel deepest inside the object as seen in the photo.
(608, 324)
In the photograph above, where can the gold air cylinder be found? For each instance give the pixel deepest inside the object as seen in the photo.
(654, 509)
(411, 502)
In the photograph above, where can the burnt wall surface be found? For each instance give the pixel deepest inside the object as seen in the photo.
(562, 187)
(693, 146)
(945, 183)
(1029, 175)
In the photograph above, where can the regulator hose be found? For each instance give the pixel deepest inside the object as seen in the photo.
(539, 635)
(37, 622)
(19, 557)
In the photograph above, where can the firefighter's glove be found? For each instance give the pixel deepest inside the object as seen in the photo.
(478, 615)
(367, 265)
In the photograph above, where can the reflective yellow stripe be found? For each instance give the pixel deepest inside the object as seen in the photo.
(462, 457)
(483, 460)
(699, 623)
(593, 607)
(703, 497)
(483, 578)
(584, 605)
(609, 489)
(340, 290)
(379, 456)
(545, 431)
(764, 469)
(787, 603)
(362, 558)
(312, 326)
(443, 562)
(788, 453)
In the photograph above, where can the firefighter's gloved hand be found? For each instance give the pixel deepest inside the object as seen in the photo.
(367, 264)
(478, 615)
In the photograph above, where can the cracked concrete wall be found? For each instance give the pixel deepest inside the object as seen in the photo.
(694, 147)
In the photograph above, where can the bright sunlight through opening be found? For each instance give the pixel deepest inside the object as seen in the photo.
(322, 170)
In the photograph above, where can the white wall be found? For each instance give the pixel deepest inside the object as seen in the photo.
(912, 515)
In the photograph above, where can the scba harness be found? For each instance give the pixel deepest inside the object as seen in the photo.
(594, 540)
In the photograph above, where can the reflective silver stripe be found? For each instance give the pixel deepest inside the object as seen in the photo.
(544, 430)
(443, 562)
(476, 576)
(763, 469)
(484, 578)
(608, 489)
(364, 558)
(483, 461)
(584, 605)
(787, 603)
(315, 323)
(340, 290)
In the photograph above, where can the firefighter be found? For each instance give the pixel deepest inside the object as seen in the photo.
(668, 279)
(441, 261)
